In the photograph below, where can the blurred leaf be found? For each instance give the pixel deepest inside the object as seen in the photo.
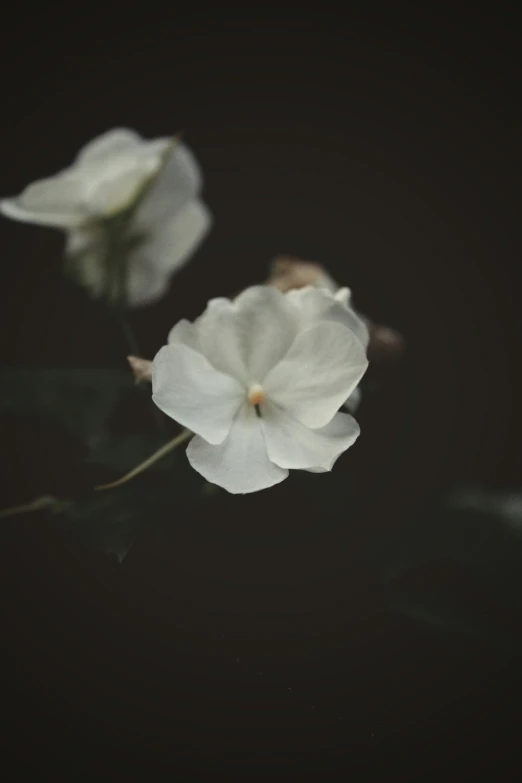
(42, 503)
(79, 400)
(454, 603)
(122, 454)
(458, 572)
(99, 408)
(480, 542)
(110, 521)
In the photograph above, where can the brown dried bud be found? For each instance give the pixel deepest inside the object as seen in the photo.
(287, 273)
(386, 345)
(141, 368)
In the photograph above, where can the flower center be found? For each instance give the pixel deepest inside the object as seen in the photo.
(256, 395)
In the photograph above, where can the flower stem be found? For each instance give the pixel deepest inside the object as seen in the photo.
(40, 504)
(127, 331)
(117, 298)
(122, 300)
(170, 446)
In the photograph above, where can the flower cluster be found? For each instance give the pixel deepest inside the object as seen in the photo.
(257, 381)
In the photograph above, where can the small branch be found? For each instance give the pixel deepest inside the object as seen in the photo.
(120, 261)
(40, 504)
(181, 438)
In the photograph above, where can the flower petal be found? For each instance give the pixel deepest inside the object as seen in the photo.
(317, 304)
(186, 333)
(354, 400)
(321, 369)
(292, 445)
(178, 183)
(145, 285)
(116, 187)
(219, 339)
(166, 249)
(55, 201)
(188, 389)
(171, 245)
(114, 168)
(240, 464)
(105, 178)
(343, 295)
(105, 146)
(85, 252)
(249, 336)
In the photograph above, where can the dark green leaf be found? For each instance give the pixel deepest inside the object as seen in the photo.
(110, 521)
(79, 400)
(454, 604)
(459, 572)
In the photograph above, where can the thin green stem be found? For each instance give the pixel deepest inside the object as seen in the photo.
(40, 504)
(128, 332)
(159, 454)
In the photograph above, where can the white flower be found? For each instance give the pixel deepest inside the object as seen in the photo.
(260, 380)
(154, 185)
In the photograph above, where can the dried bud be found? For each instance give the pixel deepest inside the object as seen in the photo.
(141, 368)
(386, 345)
(287, 273)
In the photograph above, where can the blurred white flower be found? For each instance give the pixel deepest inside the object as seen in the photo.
(104, 179)
(123, 196)
(260, 380)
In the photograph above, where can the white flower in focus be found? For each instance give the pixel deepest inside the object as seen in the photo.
(153, 186)
(260, 380)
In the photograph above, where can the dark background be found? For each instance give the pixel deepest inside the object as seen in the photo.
(258, 634)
